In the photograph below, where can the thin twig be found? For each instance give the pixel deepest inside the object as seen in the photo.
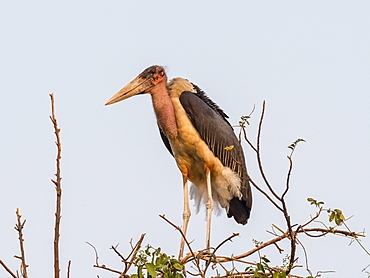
(305, 256)
(58, 189)
(331, 231)
(187, 243)
(226, 240)
(211, 257)
(313, 218)
(7, 269)
(114, 248)
(132, 254)
(246, 138)
(107, 268)
(259, 152)
(19, 227)
(264, 193)
(97, 261)
(69, 269)
(286, 235)
(288, 176)
(356, 239)
(96, 253)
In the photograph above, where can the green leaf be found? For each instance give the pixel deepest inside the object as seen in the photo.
(151, 269)
(260, 267)
(134, 276)
(332, 215)
(177, 266)
(279, 275)
(140, 271)
(179, 275)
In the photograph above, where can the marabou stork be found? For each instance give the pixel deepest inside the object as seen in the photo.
(196, 132)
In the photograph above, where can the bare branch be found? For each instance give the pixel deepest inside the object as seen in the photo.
(96, 253)
(264, 193)
(246, 138)
(97, 261)
(58, 189)
(132, 254)
(126, 261)
(259, 152)
(7, 269)
(226, 240)
(288, 176)
(19, 227)
(69, 269)
(183, 261)
(107, 268)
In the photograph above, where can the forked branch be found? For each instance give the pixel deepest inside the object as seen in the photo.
(19, 228)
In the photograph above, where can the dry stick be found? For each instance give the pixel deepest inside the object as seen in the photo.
(226, 240)
(7, 269)
(246, 138)
(127, 264)
(292, 235)
(19, 227)
(183, 261)
(281, 199)
(58, 190)
(259, 153)
(69, 269)
(114, 248)
(250, 179)
(330, 231)
(285, 235)
(132, 254)
(305, 256)
(264, 193)
(213, 255)
(97, 261)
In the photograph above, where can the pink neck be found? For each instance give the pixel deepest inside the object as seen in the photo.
(164, 111)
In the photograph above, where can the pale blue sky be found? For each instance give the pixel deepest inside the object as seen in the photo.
(309, 60)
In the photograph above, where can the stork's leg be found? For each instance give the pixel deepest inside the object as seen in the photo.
(186, 214)
(209, 209)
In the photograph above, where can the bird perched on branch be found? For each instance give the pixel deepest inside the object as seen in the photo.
(196, 132)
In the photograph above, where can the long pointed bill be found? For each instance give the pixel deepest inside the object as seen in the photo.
(136, 86)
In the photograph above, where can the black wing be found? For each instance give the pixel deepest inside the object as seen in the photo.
(210, 122)
(165, 140)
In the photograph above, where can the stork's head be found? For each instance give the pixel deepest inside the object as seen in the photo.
(142, 84)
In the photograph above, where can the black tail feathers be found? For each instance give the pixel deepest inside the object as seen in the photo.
(239, 210)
